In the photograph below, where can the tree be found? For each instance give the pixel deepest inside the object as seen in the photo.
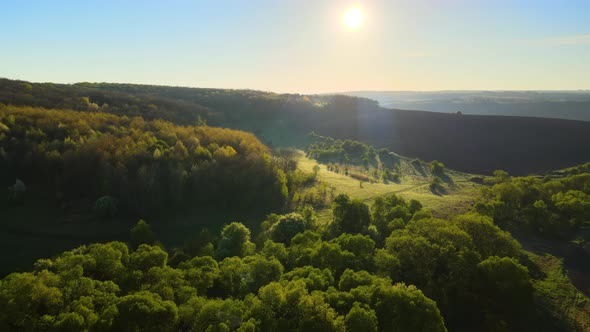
(106, 207)
(145, 311)
(276, 250)
(146, 257)
(362, 246)
(505, 288)
(234, 241)
(437, 168)
(314, 278)
(488, 238)
(351, 279)
(405, 308)
(349, 216)
(219, 315)
(142, 233)
(201, 273)
(277, 304)
(361, 319)
(286, 227)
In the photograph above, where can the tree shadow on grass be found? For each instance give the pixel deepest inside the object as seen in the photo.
(439, 191)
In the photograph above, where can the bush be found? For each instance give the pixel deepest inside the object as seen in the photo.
(106, 207)
(437, 168)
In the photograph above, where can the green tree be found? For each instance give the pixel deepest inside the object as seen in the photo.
(146, 257)
(405, 308)
(234, 241)
(106, 207)
(145, 311)
(314, 278)
(286, 227)
(361, 319)
(505, 288)
(349, 216)
(142, 233)
(488, 238)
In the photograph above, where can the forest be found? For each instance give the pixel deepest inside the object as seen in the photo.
(470, 143)
(133, 166)
(365, 270)
(387, 263)
(391, 266)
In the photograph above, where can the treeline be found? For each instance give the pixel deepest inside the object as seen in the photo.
(184, 106)
(391, 267)
(552, 207)
(478, 144)
(94, 159)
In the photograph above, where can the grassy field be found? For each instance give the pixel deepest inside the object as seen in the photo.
(456, 195)
(557, 295)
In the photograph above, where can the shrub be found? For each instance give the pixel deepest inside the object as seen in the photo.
(106, 207)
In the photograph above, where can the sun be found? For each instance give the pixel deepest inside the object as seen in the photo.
(353, 18)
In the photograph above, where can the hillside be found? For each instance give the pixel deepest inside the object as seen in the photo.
(570, 105)
(365, 233)
(470, 143)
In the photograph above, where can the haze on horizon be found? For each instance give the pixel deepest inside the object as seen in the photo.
(291, 46)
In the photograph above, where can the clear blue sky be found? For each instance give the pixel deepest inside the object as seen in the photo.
(300, 46)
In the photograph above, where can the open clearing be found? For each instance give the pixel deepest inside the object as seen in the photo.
(458, 193)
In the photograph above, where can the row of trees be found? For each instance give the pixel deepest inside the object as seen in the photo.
(385, 268)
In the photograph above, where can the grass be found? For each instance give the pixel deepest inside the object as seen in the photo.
(558, 296)
(458, 192)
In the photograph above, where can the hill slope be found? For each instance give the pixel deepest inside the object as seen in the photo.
(470, 143)
(571, 105)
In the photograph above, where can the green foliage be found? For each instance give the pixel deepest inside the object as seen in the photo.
(276, 250)
(106, 207)
(142, 233)
(361, 319)
(350, 216)
(405, 308)
(146, 257)
(314, 278)
(506, 288)
(286, 227)
(462, 274)
(146, 166)
(393, 212)
(435, 184)
(145, 311)
(277, 304)
(437, 168)
(550, 207)
(327, 149)
(234, 241)
(362, 246)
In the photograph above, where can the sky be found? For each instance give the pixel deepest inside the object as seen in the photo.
(300, 46)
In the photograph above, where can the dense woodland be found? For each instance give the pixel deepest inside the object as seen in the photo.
(549, 207)
(471, 143)
(389, 267)
(386, 266)
(381, 268)
(135, 166)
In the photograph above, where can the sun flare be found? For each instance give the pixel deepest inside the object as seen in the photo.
(353, 18)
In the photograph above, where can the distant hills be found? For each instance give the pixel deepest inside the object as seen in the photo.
(471, 143)
(573, 105)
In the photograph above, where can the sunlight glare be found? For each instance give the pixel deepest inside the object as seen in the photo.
(353, 18)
